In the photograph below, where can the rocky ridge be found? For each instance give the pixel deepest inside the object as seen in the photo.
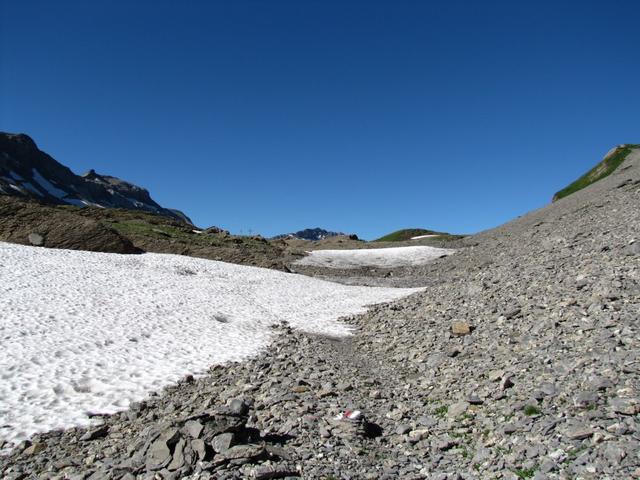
(313, 234)
(521, 359)
(27, 172)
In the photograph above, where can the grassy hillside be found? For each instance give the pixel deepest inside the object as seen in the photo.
(606, 167)
(407, 234)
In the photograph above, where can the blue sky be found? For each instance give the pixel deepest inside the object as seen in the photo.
(358, 116)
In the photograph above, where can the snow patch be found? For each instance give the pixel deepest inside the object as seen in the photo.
(32, 188)
(92, 332)
(76, 202)
(423, 236)
(48, 186)
(373, 257)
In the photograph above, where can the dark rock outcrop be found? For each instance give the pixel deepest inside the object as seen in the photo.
(26, 171)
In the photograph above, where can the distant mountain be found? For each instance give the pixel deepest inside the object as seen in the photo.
(407, 234)
(312, 234)
(26, 171)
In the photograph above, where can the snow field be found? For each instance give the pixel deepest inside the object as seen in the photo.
(92, 332)
(373, 257)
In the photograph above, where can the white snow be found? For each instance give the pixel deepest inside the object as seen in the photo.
(91, 332)
(423, 236)
(136, 203)
(139, 204)
(32, 188)
(47, 185)
(23, 183)
(76, 202)
(81, 203)
(373, 257)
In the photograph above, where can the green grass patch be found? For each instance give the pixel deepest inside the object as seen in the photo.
(603, 169)
(525, 473)
(408, 233)
(531, 410)
(441, 411)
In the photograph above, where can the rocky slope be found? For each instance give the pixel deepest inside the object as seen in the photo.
(521, 359)
(26, 171)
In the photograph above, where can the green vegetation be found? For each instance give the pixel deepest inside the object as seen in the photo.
(441, 411)
(525, 473)
(408, 233)
(531, 410)
(572, 455)
(603, 169)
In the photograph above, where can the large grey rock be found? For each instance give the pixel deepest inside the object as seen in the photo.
(36, 239)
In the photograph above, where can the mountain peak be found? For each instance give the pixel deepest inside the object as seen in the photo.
(26, 171)
(313, 234)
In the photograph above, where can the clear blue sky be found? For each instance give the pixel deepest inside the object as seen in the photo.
(359, 116)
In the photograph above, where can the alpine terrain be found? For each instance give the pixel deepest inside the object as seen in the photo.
(517, 358)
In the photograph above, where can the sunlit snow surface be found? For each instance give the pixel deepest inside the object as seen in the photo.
(91, 332)
(373, 257)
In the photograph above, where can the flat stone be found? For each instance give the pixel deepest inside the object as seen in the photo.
(266, 472)
(223, 442)
(178, 456)
(418, 434)
(243, 451)
(193, 428)
(579, 433)
(457, 409)
(585, 399)
(34, 448)
(625, 406)
(200, 448)
(159, 453)
(460, 328)
(512, 313)
(601, 383)
(446, 444)
(549, 389)
(509, 428)
(633, 249)
(403, 429)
